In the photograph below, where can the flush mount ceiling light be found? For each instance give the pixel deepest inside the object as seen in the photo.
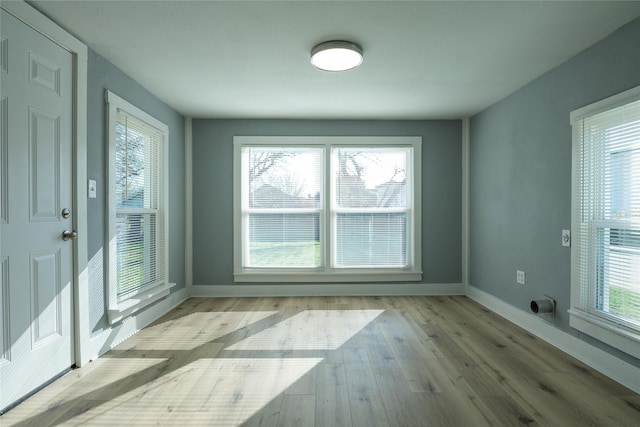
(336, 55)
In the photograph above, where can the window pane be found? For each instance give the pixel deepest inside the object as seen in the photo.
(284, 177)
(371, 177)
(623, 184)
(137, 163)
(371, 240)
(136, 253)
(284, 240)
(130, 167)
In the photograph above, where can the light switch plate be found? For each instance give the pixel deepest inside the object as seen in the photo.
(92, 188)
(566, 238)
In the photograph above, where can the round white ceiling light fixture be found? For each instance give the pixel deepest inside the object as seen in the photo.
(336, 55)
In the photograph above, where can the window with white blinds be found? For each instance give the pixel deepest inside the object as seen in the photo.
(606, 274)
(326, 208)
(371, 206)
(137, 206)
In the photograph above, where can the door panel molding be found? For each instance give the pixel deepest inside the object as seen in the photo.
(44, 74)
(5, 325)
(4, 154)
(44, 169)
(4, 54)
(46, 298)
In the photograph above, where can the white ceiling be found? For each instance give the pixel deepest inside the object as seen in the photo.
(423, 59)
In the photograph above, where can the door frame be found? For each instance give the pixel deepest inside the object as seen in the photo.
(79, 53)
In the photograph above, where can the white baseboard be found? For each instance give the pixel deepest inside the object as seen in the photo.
(603, 362)
(327, 289)
(109, 338)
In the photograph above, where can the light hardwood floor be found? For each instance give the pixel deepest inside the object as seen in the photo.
(332, 361)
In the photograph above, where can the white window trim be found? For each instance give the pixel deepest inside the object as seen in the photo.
(343, 275)
(149, 294)
(616, 335)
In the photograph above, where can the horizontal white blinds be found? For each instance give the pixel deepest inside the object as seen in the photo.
(371, 240)
(610, 214)
(139, 217)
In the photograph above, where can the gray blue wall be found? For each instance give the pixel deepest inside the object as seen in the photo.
(103, 75)
(520, 175)
(213, 188)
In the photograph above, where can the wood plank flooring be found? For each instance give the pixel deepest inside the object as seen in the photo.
(331, 361)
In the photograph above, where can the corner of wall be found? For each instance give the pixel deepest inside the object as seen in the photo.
(466, 141)
(188, 193)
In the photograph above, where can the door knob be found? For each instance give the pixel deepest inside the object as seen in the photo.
(69, 235)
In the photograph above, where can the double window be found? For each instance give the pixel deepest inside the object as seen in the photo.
(327, 208)
(137, 258)
(606, 257)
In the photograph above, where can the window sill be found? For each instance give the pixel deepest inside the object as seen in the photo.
(139, 301)
(342, 277)
(624, 339)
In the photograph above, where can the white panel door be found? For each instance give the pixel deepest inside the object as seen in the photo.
(36, 336)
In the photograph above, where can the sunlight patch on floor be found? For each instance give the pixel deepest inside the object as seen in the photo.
(310, 330)
(192, 330)
(220, 392)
